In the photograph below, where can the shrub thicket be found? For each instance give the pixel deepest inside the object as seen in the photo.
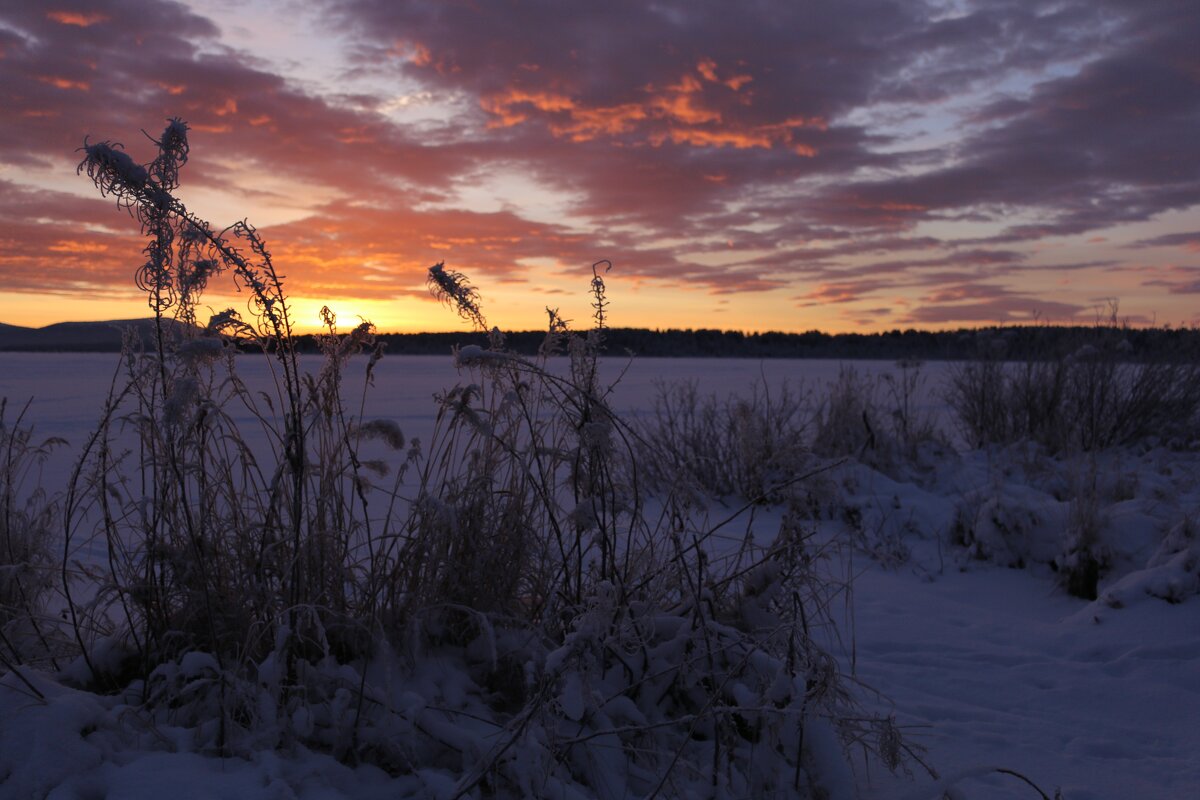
(1093, 397)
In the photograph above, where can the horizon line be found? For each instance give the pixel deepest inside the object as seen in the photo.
(315, 330)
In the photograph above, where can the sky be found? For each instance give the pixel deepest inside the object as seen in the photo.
(843, 165)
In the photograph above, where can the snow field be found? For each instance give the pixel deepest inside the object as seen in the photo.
(953, 615)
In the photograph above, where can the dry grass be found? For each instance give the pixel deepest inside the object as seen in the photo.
(1093, 398)
(251, 594)
(28, 527)
(751, 446)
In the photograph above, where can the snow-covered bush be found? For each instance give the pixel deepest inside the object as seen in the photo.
(993, 526)
(1083, 557)
(1172, 572)
(664, 653)
(1176, 563)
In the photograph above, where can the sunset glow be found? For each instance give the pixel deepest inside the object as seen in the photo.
(861, 165)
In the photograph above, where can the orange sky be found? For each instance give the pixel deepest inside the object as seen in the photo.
(863, 165)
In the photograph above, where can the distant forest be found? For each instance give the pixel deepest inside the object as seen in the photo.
(1019, 343)
(1015, 343)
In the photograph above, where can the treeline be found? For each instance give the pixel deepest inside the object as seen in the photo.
(1015, 343)
(1005, 343)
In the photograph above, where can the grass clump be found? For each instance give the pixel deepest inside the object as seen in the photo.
(28, 527)
(770, 446)
(1095, 396)
(751, 446)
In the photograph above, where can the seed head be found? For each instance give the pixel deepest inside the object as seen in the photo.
(453, 289)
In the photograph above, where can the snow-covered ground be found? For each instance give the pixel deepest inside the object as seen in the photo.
(998, 666)
(955, 621)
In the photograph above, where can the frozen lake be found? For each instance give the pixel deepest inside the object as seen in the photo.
(67, 390)
(63, 395)
(980, 663)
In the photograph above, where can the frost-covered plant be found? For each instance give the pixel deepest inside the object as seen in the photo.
(1177, 561)
(997, 402)
(217, 546)
(993, 525)
(1083, 556)
(758, 445)
(528, 469)
(453, 289)
(910, 424)
(1172, 573)
(514, 624)
(851, 421)
(754, 446)
(28, 527)
(1096, 396)
(663, 656)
